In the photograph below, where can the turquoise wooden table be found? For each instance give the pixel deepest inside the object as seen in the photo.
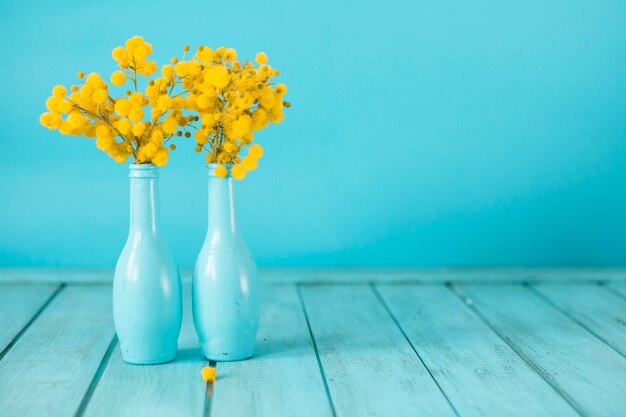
(353, 342)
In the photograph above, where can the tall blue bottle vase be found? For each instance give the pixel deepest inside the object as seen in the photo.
(147, 295)
(225, 286)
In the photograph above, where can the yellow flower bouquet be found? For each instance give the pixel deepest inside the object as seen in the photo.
(233, 99)
(223, 101)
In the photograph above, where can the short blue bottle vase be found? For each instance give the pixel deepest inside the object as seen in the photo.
(147, 295)
(225, 286)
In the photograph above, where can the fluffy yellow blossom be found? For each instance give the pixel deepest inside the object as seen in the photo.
(136, 99)
(165, 103)
(59, 91)
(119, 53)
(100, 96)
(160, 157)
(64, 106)
(209, 374)
(152, 91)
(148, 68)
(103, 131)
(249, 163)
(261, 58)
(95, 81)
(135, 114)
(205, 54)
(138, 129)
(52, 104)
(240, 127)
(230, 147)
(255, 151)
(147, 152)
(156, 136)
(238, 172)
(169, 126)
(259, 119)
(217, 76)
(168, 71)
(123, 126)
(46, 120)
(220, 171)
(122, 106)
(118, 78)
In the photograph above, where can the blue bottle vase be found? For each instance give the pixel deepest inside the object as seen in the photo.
(147, 295)
(225, 286)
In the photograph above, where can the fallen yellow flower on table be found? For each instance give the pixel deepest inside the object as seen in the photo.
(209, 373)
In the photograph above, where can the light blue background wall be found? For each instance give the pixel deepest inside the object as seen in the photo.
(422, 132)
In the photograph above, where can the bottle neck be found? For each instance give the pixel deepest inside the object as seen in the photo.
(221, 206)
(144, 194)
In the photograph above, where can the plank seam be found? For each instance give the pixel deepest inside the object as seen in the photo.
(208, 396)
(406, 337)
(96, 377)
(430, 283)
(552, 304)
(534, 366)
(31, 321)
(317, 355)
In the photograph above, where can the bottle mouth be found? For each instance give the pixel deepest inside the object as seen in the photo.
(143, 171)
(211, 170)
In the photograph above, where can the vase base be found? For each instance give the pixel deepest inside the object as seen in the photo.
(136, 360)
(227, 357)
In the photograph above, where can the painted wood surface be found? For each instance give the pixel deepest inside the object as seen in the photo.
(370, 368)
(478, 371)
(598, 310)
(618, 288)
(19, 304)
(334, 346)
(283, 377)
(49, 369)
(587, 373)
(171, 389)
(340, 276)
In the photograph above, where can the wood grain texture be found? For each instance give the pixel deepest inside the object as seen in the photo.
(479, 373)
(587, 372)
(595, 308)
(25, 275)
(370, 367)
(339, 276)
(439, 275)
(283, 377)
(49, 369)
(18, 305)
(170, 389)
(618, 288)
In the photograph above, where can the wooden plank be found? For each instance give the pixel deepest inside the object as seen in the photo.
(18, 306)
(342, 276)
(587, 372)
(479, 373)
(26, 275)
(170, 389)
(369, 365)
(618, 288)
(593, 307)
(70, 276)
(49, 369)
(283, 377)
